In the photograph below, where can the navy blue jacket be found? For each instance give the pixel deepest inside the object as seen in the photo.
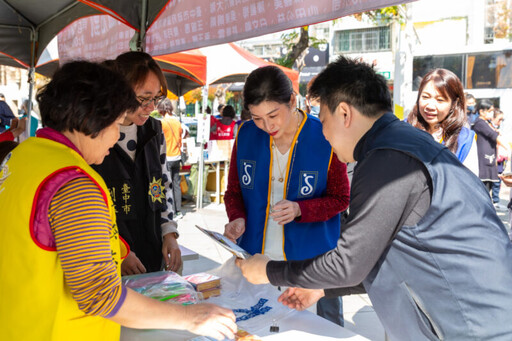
(448, 277)
(6, 116)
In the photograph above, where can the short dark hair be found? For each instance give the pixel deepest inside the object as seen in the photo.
(245, 115)
(220, 107)
(268, 83)
(469, 96)
(229, 111)
(136, 66)
(355, 83)
(484, 104)
(85, 97)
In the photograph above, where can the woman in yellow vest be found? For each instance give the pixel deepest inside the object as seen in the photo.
(60, 251)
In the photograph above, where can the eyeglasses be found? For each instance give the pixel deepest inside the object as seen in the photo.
(145, 102)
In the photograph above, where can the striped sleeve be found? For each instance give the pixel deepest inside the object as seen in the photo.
(80, 222)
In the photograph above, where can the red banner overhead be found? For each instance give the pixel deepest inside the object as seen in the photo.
(186, 24)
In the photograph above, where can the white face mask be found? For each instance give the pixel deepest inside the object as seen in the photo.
(315, 110)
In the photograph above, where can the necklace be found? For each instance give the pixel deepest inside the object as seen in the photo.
(276, 157)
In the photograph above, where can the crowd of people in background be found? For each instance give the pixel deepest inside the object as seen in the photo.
(287, 196)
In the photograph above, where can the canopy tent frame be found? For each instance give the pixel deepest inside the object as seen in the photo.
(142, 18)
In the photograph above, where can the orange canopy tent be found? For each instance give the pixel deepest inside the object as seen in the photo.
(184, 71)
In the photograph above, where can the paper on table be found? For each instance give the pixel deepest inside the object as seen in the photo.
(226, 243)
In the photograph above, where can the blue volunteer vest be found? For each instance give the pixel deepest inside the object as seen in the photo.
(306, 178)
(450, 276)
(464, 143)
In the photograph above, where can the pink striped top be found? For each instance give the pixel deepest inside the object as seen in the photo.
(80, 223)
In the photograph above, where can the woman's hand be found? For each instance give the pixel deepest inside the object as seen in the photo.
(285, 211)
(141, 312)
(234, 229)
(171, 252)
(210, 320)
(132, 265)
(299, 298)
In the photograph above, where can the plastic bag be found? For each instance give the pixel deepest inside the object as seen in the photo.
(164, 286)
(255, 306)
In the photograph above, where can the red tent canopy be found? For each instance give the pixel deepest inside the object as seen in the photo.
(184, 71)
(226, 63)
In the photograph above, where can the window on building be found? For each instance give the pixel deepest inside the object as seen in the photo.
(363, 40)
(422, 65)
(497, 20)
(267, 50)
(486, 70)
(489, 70)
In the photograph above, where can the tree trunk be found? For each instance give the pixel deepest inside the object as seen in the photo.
(301, 45)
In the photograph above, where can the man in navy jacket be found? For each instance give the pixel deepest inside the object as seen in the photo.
(422, 235)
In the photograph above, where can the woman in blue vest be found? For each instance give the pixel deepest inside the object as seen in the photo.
(286, 187)
(440, 110)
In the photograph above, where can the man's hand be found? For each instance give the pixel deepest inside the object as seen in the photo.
(507, 180)
(210, 320)
(300, 299)
(171, 252)
(285, 211)
(234, 229)
(254, 269)
(132, 265)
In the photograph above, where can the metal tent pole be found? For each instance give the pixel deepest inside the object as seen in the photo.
(201, 139)
(31, 80)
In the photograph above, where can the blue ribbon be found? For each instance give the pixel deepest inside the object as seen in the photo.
(255, 310)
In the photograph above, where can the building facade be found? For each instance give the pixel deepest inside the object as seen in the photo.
(472, 38)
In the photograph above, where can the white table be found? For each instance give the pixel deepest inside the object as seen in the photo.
(301, 325)
(237, 293)
(187, 254)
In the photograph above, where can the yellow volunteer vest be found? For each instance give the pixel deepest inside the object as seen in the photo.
(35, 302)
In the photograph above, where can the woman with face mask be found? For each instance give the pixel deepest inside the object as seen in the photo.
(312, 104)
(440, 111)
(471, 108)
(286, 186)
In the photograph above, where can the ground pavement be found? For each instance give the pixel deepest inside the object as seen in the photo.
(358, 311)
